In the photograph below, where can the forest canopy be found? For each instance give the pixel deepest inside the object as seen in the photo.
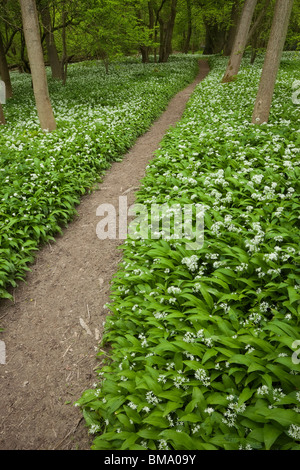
(106, 29)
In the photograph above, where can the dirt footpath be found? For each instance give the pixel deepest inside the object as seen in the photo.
(55, 323)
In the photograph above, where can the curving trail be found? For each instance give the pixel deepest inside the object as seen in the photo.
(55, 323)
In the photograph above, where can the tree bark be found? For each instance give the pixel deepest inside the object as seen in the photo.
(258, 21)
(37, 65)
(254, 43)
(145, 49)
(214, 38)
(186, 46)
(240, 41)
(282, 14)
(64, 60)
(4, 72)
(24, 67)
(145, 54)
(234, 21)
(166, 33)
(2, 118)
(50, 42)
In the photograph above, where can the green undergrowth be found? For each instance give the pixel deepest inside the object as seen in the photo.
(202, 345)
(43, 175)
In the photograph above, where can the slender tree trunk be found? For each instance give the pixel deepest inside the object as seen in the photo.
(50, 42)
(254, 44)
(166, 34)
(240, 41)
(189, 28)
(25, 67)
(145, 54)
(64, 60)
(4, 72)
(282, 14)
(214, 38)
(208, 48)
(234, 20)
(145, 50)
(162, 46)
(258, 21)
(2, 118)
(157, 11)
(37, 65)
(155, 49)
(151, 18)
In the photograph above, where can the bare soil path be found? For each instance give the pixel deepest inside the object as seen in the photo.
(53, 327)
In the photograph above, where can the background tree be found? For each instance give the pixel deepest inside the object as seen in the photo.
(293, 36)
(187, 41)
(47, 22)
(282, 14)
(258, 34)
(219, 17)
(2, 118)
(36, 59)
(232, 30)
(166, 22)
(146, 19)
(240, 41)
(4, 71)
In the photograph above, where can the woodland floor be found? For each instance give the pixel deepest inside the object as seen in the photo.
(50, 357)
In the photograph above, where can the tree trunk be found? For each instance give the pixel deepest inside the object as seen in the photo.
(166, 34)
(145, 54)
(234, 21)
(50, 42)
(25, 67)
(282, 14)
(146, 50)
(37, 65)
(64, 60)
(258, 21)
(2, 118)
(240, 41)
(4, 72)
(208, 48)
(254, 43)
(214, 39)
(186, 46)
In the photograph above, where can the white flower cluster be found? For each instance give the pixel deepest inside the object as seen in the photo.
(189, 337)
(174, 290)
(151, 398)
(294, 432)
(191, 262)
(253, 245)
(203, 377)
(232, 411)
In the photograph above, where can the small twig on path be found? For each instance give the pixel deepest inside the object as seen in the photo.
(67, 350)
(3, 316)
(69, 433)
(130, 189)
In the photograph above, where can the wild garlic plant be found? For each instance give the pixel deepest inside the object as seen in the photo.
(203, 343)
(43, 175)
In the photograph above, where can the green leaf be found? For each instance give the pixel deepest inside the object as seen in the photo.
(191, 418)
(180, 440)
(171, 406)
(208, 354)
(281, 416)
(293, 295)
(245, 395)
(270, 433)
(156, 419)
(148, 433)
